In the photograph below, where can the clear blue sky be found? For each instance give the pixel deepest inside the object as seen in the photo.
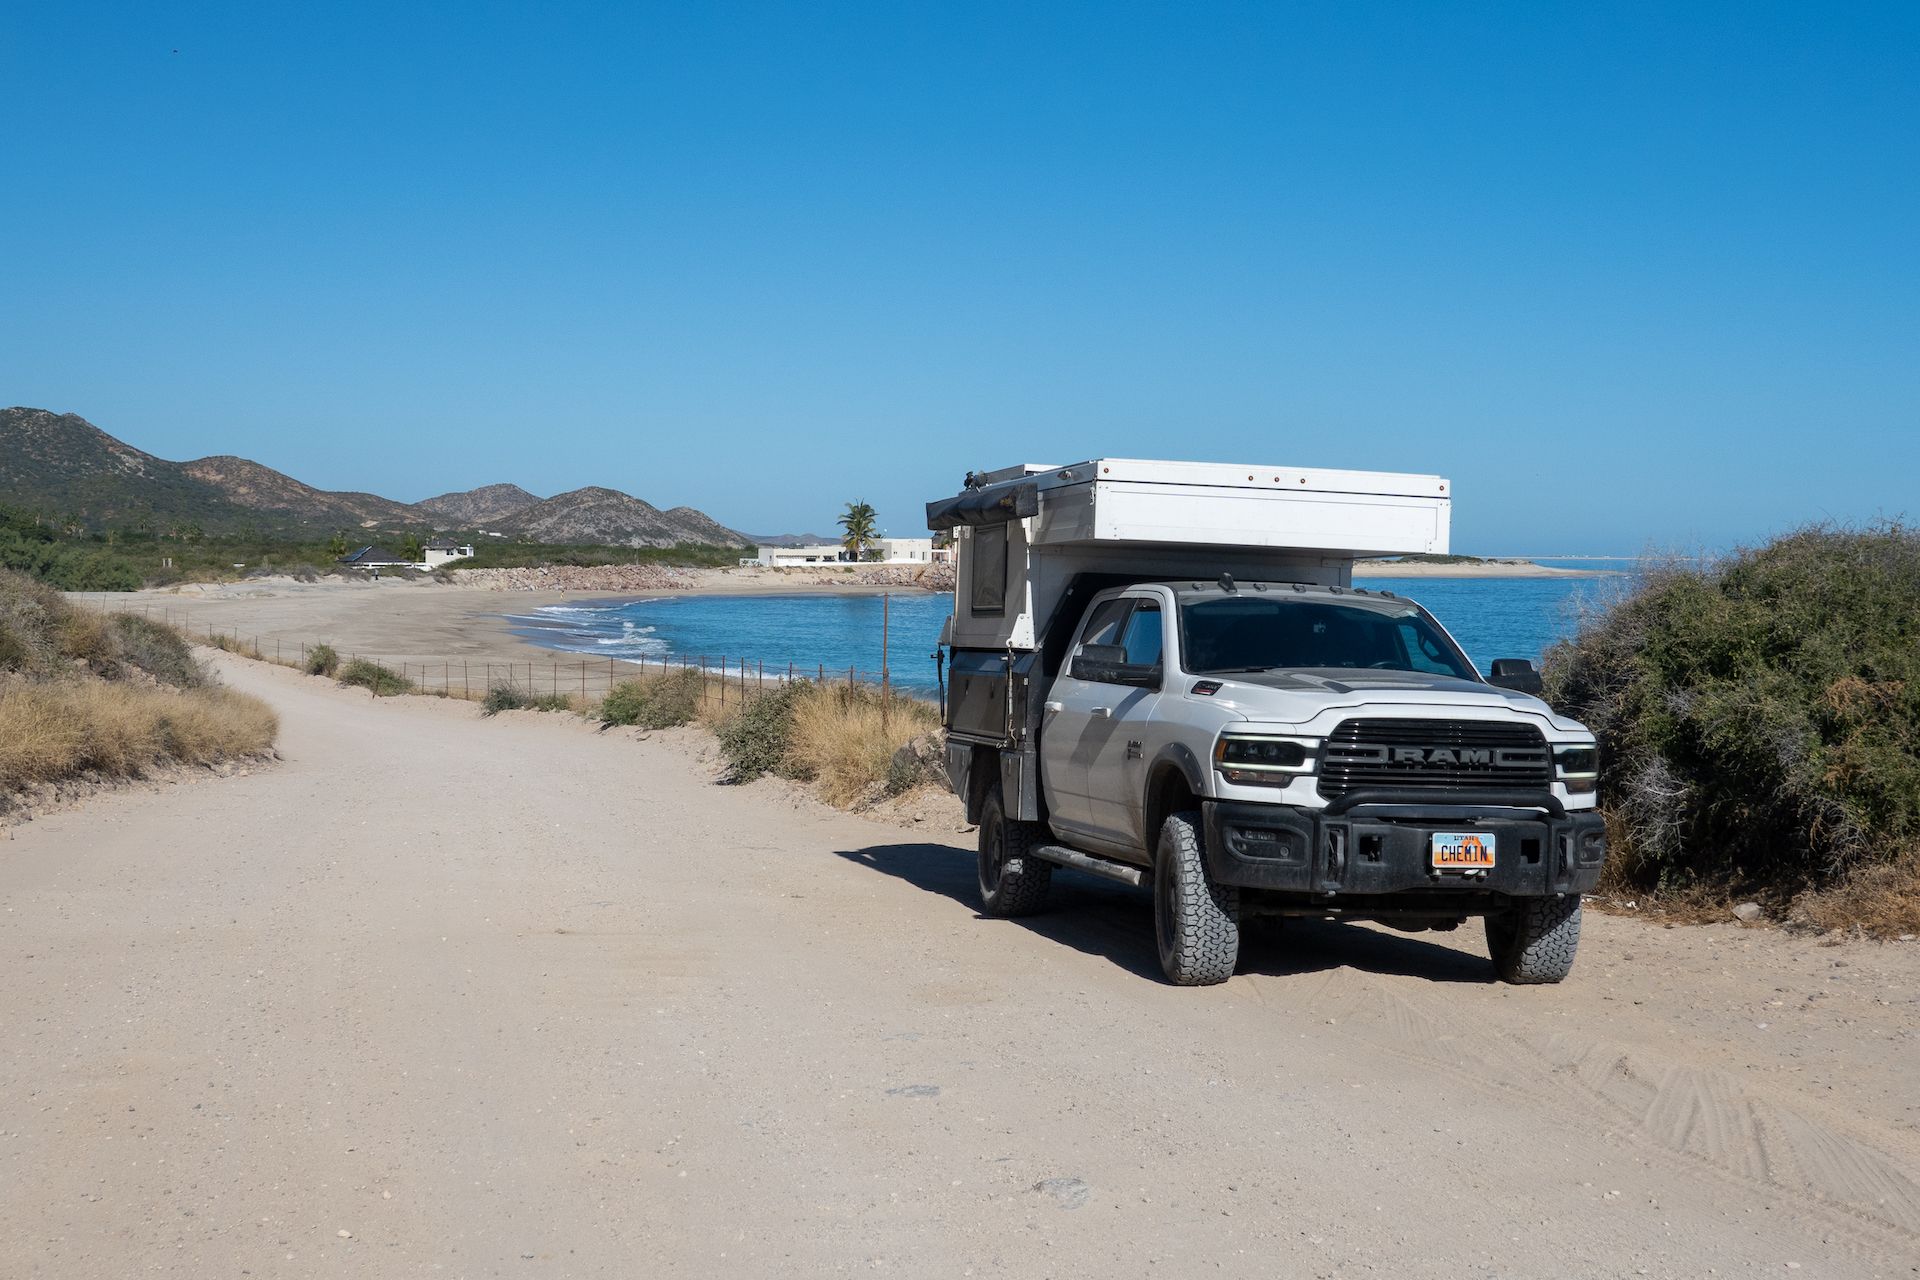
(1631, 274)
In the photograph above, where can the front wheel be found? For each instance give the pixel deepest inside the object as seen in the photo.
(1533, 941)
(1196, 921)
(1013, 882)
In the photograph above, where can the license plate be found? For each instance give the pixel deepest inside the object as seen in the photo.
(1462, 851)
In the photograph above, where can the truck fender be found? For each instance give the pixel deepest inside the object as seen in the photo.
(1176, 779)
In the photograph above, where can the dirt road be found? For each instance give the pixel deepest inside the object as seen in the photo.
(444, 997)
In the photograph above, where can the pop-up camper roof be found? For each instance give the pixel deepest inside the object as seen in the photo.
(1022, 533)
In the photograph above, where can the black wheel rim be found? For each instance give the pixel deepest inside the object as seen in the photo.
(992, 854)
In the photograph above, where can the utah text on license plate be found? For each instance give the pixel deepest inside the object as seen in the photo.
(1462, 851)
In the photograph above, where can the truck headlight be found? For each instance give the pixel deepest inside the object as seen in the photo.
(1261, 760)
(1578, 768)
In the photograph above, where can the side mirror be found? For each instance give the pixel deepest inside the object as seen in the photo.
(1516, 674)
(1107, 664)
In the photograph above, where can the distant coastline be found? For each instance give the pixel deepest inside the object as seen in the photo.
(1472, 569)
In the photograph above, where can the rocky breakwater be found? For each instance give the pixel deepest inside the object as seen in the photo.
(567, 577)
(927, 577)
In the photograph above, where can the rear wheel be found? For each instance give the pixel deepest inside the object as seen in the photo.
(1013, 882)
(1534, 940)
(1196, 921)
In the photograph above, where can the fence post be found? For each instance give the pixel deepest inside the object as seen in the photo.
(466, 690)
(886, 621)
(583, 679)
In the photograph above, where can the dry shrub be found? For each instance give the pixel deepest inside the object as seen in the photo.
(90, 638)
(55, 730)
(1881, 900)
(157, 649)
(844, 739)
(30, 619)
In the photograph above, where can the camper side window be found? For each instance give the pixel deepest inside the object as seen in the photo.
(989, 578)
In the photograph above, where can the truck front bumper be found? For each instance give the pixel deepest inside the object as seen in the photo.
(1278, 847)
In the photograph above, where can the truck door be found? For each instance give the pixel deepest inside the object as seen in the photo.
(1117, 772)
(1078, 718)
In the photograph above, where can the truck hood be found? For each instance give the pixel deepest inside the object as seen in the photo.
(1297, 696)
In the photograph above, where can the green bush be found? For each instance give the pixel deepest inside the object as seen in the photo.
(381, 681)
(321, 660)
(1759, 720)
(654, 702)
(510, 697)
(758, 738)
(68, 566)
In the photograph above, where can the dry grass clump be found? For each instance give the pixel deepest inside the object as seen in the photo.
(845, 744)
(108, 695)
(54, 730)
(841, 739)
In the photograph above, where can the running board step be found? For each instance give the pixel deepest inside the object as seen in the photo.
(1079, 861)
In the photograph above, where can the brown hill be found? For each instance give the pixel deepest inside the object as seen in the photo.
(62, 466)
(607, 517)
(282, 498)
(476, 508)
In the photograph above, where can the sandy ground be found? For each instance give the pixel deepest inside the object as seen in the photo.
(451, 997)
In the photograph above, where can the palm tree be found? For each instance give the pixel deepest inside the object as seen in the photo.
(860, 536)
(337, 545)
(410, 547)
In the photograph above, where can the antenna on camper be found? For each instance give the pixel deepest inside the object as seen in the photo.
(1226, 582)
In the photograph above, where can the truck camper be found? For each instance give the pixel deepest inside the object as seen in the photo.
(1162, 673)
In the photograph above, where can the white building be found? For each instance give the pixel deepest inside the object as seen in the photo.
(887, 551)
(444, 550)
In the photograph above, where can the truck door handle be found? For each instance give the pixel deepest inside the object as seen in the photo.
(1056, 706)
(1103, 712)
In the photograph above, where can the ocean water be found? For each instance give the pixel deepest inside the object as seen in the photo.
(1490, 617)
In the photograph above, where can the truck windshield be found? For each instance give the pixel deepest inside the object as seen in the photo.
(1248, 633)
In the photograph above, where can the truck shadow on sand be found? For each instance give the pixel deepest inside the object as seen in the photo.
(1115, 923)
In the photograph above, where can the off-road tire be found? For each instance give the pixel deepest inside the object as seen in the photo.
(1012, 881)
(1196, 922)
(1534, 940)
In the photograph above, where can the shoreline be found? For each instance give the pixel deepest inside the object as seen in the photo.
(422, 622)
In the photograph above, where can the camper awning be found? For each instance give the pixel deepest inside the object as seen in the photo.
(984, 506)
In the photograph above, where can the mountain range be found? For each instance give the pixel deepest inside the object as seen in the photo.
(63, 467)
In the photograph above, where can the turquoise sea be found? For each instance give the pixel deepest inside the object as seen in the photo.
(1490, 617)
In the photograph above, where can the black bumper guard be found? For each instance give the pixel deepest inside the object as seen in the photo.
(1378, 842)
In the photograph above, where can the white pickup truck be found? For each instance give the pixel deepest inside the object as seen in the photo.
(1161, 671)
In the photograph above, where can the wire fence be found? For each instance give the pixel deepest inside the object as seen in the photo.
(583, 678)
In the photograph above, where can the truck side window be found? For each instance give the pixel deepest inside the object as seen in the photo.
(1142, 635)
(1423, 650)
(989, 577)
(1104, 626)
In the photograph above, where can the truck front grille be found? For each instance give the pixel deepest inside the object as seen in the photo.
(1433, 755)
